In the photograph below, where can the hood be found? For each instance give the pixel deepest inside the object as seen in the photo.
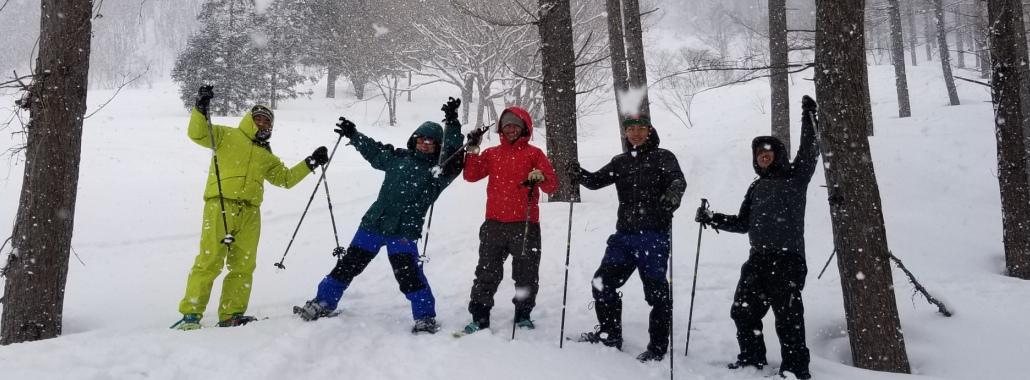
(652, 141)
(526, 119)
(780, 163)
(248, 126)
(431, 130)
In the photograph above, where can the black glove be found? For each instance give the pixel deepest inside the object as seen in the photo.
(475, 137)
(346, 128)
(704, 216)
(204, 95)
(671, 199)
(317, 158)
(808, 104)
(450, 109)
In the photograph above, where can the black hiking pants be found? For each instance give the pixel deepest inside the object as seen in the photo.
(497, 241)
(771, 281)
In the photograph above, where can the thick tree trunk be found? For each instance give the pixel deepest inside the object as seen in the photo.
(37, 271)
(466, 97)
(558, 64)
(635, 65)
(1009, 54)
(359, 83)
(898, 58)
(860, 238)
(942, 49)
(330, 81)
(779, 85)
(913, 38)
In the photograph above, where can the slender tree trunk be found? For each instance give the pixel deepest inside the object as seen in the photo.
(983, 53)
(409, 86)
(859, 235)
(558, 64)
(617, 50)
(898, 58)
(635, 64)
(942, 41)
(37, 271)
(913, 38)
(779, 84)
(466, 97)
(1009, 55)
(330, 81)
(271, 90)
(928, 34)
(959, 37)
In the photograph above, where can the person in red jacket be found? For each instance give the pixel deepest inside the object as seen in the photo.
(518, 172)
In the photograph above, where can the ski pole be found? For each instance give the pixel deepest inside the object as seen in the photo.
(565, 289)
(305, 213)
(228, 239)
(828, 259)
(332, 217)
(439, 167)
(525, 238)
(423, 256)
(672, 310)
(693, 288)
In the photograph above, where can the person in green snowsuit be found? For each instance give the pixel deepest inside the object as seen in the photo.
(245, 162)
(413, 181)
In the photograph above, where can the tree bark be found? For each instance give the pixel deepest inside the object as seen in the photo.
(1009, 54)
(858, 230)
(330, 81)
(37, 271)
(617, 50)
(558, 64)
(898, 58)
(928, 35)
(983, 53)
(959, 37)
(635, 64)
(942, 49)
(779, 85)
(359, 83)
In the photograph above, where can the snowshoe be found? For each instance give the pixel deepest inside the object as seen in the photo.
(525, 324)
(425, 325)
(597, 336)
(471, 328)
(236, 320)
(188, 322)
(744, 364)
(313, 310)
(800, 374)
(650, 356)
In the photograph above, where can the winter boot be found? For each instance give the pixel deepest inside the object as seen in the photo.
(475, 326)
(188, 322)
(312, 310)
(523, 321)
(425, 325)
(799, 374)
(609, 317)
(237, 319)
(650, 356)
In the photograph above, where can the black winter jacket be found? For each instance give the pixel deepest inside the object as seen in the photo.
(641, 176)
(773, 211)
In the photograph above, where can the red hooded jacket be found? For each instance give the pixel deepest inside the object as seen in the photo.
(508, 165)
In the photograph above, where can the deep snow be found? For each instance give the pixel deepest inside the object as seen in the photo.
(139, 209)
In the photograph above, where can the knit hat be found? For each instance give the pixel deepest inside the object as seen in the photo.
(260, 110)
(636, 120)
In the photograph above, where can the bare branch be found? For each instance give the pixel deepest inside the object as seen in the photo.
(116, 91)
(919, 287)
(466, 9)
(973, 81)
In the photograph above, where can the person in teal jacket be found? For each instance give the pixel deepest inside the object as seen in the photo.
(245, 162)
(413, 182)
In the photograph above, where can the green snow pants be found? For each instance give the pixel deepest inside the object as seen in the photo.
(244, 222)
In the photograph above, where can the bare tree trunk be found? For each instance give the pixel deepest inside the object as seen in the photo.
(928, 34)
(359, 83)
(409, 86)
(330, 81)
(898, 58)
(617, 50)
(558, 64)
(942, 42)
(466, 97)
(37, 271)
(912, 35)
(778, 80)
(1009, 54)
(983, 53)
(859, 235)
(635, 65)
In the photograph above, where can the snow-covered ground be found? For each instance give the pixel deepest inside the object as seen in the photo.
(138, 221)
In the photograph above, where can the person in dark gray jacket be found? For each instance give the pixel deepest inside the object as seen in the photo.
(773, 216)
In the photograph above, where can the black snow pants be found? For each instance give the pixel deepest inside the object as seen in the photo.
(771, 280)
(497, 241)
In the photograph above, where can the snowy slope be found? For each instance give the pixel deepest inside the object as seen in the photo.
(139, 210)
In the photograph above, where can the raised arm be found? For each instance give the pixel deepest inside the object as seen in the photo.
(808, 153)
(376, 153)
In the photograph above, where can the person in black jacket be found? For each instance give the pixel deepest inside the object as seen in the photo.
(773, 216)
(649, 184)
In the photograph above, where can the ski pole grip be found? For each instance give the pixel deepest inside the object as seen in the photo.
(704, 203)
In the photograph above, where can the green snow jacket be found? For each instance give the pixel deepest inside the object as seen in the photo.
(411, 184)
(244, 165)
